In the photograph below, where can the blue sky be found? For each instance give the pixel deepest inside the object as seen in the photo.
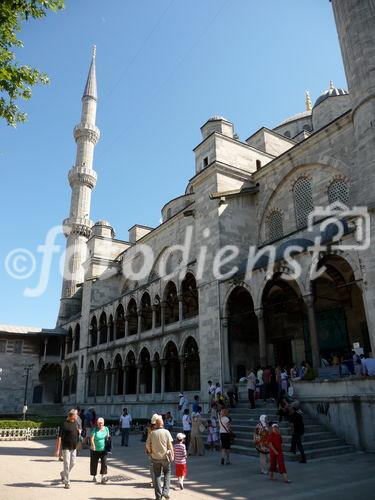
(163, 68)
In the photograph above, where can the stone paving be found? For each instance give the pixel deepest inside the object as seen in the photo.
(29, 471)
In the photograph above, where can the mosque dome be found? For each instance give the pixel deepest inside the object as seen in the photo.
(331, 92)
(103, 228)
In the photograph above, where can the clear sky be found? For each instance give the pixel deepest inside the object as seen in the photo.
(163, 68)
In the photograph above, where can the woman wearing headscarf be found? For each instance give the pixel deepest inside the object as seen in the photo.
(261, 435)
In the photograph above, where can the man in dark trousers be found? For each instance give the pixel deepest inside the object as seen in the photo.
(67, 442)
(298, 430)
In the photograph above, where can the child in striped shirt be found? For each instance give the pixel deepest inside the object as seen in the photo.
(180, 455)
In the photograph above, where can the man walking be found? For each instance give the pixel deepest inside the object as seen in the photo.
(251, 386)
(125, 425)
(160, 448)
(298, 430)
(67, 442)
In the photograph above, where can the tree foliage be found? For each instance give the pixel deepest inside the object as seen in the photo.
(16, 80)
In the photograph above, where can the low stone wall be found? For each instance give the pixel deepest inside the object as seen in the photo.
(347, 406)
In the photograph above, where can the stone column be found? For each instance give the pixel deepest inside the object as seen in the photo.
(180, 307)
(162, 314)
(138, 386)
(125, 376)
(154, 365)
(163, 363)
(309, 301)
(45, 348)
(226, 371)
(262, 337)
(182, 373)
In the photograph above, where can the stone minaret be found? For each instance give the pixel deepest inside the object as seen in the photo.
(355, 22)
(82, 179)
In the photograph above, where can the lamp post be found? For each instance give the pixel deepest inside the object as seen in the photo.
(27, 369)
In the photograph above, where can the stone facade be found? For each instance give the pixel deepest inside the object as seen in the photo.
(142, 340)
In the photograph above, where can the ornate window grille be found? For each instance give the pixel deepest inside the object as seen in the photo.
(303, 202)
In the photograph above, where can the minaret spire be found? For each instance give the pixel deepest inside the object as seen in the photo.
(308, 101)
(82, 179)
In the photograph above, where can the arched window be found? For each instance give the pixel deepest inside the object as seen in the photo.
(132, 316)
(156, 362)
(109, 381)
(66, 382)
(274, 225)
(91, 379)
(69, 341)
(171, 303)
(118, 375)
(100, 378)
(94, 332)
(73, 382)
(77, 334)
(103, 328)
(146, 312)
(189, 296)
(338, 190)
(130, 374)
(191, 366)
(157, 307)
(146, 372)
(303, 202)
(172, 368)
(120, 322)
(111, 328)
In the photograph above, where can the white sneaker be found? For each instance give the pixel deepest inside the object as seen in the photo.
(94, 479)
(104, 479)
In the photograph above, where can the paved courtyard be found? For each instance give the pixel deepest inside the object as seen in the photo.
(29, 471)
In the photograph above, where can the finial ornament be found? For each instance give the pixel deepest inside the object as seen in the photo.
(93, 51)
(308, 101)
(331, 86)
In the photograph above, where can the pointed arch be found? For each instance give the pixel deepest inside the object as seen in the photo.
(131, 373)
(172, 368)
(77, 337)
(120, 322)
(189, 296)
(146, 312)
(132, 317)
(93, 332)
(171, 313)
(103, 329)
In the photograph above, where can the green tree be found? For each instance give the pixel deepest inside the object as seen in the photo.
(16, 80)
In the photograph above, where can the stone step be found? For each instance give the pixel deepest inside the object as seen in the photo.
(308, 445)
(310, 454)
(311, 436)
(250, 427)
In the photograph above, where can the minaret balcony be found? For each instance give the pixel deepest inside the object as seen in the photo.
(86, 131)
(78, 225)
(81, 175)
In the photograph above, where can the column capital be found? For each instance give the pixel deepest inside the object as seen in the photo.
(154, 364)
(181, 358)
(163, 362)
(180, 297)
(259, 313)
(308, 299)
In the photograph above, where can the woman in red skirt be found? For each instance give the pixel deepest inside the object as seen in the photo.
(180, 455)
(275, 443)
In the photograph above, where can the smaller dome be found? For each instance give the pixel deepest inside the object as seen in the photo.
(331, 92)
(102, 223)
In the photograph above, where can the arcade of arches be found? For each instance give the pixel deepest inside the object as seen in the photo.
(172, 373)
(290, 328)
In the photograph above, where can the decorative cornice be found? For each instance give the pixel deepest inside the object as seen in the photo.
(81, 227)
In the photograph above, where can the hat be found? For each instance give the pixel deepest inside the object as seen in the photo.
(275, 425)
(155, 417)
(180, 436)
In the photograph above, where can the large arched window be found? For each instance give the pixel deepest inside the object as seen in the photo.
(103, 328)
(191, 366)
(171, 303)
(172, 368)
(111, 328)
(303, 202)
(77, 335)
(73, 382)
(189, 296)
(338, 190)
(91, 382)
(146, 372)
(132, 316)
(274, 225)
(118, 375)
(157, 307)
(146, 312)
(130, 374)
(100, 378)
(66, 382)
(94, 332)
(120, 322)
(69, 341)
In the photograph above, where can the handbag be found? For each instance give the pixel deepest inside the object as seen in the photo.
(108, 443)
(232, 435)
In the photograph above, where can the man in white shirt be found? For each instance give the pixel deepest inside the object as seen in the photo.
(251, 386)
(186, 425)
(183, 404)
(369, 366)
(125, 426)
(218, 390)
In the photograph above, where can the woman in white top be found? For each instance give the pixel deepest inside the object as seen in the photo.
(225, 436)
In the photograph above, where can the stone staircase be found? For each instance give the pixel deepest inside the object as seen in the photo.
(318, 441)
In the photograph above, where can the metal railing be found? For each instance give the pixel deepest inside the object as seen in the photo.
(19, 434)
